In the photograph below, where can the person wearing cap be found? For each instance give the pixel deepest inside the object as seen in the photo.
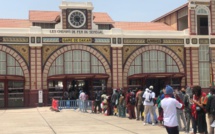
(169, 105)
(148, 103)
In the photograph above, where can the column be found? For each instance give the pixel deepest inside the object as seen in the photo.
(117, 67)
(35, 74)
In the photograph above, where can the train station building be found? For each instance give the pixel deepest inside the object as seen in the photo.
(53, 54)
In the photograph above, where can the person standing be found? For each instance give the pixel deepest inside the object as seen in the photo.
(158, 103)
(187, 108)
(198, 111)
(210, 107)
(148, 103)
(115, 101)
(139, 104)
(180, 114)
(83, 98)
(122, 106)
(130, 104)
(169, 105)
(98, 95)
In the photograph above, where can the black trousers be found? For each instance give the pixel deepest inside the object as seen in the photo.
(97, 103)
(172, 130)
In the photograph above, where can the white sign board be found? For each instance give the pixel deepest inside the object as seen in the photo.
(40, 96)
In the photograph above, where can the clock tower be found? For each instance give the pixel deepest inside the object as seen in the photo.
(76, 15)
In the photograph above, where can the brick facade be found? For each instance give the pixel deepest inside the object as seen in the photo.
(117, 67)
(213, 17)
(193, 22)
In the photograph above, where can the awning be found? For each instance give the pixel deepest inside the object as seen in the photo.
(12, 77)
(156, 75)
(80, 76)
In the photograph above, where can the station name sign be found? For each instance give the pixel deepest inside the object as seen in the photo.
(152, 41)
(76, 40)
(76, 31)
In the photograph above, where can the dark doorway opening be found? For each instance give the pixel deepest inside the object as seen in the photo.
(157, 83)
(70, 88)
(202, 23)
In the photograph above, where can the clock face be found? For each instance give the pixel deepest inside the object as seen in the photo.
(76, 19)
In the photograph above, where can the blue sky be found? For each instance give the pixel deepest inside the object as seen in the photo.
(119, 10)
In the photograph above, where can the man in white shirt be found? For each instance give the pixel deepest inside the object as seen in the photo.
(148, 103)
(169, 105)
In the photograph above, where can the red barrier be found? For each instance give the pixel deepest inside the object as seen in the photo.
(55, 105)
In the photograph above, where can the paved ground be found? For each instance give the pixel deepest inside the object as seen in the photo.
(42, 120)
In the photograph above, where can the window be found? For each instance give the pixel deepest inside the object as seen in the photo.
(203, 20)
(153, 62)
(8, 65)
(183, 19)
(104, 27)
(45, 25)
(204, 66)
(76, 62)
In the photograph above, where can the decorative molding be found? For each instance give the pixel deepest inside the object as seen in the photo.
(47, 51)
(187, 41)
(203, 41)
(22, 50)
(194, 41)
(105, 51)
(14, 39)
(213, 41)
(179, 50)
(127, 50)
(152, 41)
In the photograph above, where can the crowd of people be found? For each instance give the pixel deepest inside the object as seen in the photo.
(190, 105)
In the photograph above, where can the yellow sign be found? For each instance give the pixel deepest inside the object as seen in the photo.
(76, 40)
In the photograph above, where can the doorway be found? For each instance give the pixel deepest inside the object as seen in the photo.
(11, 94)
(70, 88)
(157, 83)
(2, 96)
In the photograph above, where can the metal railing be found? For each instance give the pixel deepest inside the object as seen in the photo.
(76, 104)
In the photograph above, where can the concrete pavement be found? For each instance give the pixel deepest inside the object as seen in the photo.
(42, 120)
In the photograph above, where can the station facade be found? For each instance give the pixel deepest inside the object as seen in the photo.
(57, 53)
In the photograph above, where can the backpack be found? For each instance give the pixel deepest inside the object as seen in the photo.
(212, 105)
(148, 97)
(132, 98)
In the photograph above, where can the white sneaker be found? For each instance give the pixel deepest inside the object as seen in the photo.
(144, 123)
(153, 124)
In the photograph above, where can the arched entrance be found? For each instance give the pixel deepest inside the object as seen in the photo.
(13, 82)
(154, 65)
(74, 68)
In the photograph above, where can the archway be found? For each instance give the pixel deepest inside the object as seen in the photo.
(15, 79)
(76, 77)
(144, 49)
